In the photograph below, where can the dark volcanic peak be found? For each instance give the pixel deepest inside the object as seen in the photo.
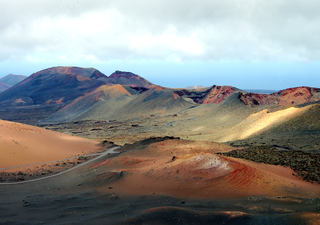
(71, 71)
(215, 94)
(296, 96)
(129, 75)
(127, 78)
(53, 85)
(12, 79)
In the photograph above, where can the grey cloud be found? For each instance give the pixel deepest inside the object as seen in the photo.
(235, 30)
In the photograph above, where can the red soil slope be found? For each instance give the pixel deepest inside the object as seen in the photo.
(298, 95)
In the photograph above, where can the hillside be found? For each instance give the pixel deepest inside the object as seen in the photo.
(291, 128)
(52, 86)
(91, 102)
(22, 144)
(120, 102)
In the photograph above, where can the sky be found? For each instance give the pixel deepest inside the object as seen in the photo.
(249, 44)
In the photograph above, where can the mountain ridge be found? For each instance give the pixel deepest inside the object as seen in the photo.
(127, 78)
(294, 96)
(52, 85)
(76, 92)
(4, 86)
(12, 79)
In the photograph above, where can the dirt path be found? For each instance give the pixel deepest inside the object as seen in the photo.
(109, 151)
(60, 160)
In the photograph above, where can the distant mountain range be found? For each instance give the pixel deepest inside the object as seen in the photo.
(62, 85)
(86, 93)
(294, 96)
(260, 91)
(10, 80)
(4, 86)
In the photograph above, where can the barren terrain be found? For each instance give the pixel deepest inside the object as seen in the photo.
(121, 150)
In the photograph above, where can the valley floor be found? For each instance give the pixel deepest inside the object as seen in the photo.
(96, 194)
(177, 179)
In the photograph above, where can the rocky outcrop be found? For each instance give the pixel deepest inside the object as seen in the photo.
(215, 94)
(296, 96)
(140, 89)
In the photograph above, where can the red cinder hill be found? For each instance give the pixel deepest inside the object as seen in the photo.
(214, 94)
(217, 94)
(298, 95)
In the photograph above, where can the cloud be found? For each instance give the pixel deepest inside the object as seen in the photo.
(272, 30)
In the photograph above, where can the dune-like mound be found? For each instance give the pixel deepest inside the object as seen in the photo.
(298, 95)
(192, 169)
(110, 92)
(22, 144)
(195, 163)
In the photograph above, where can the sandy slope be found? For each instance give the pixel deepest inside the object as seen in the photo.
(261, 121)
(23, 145)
